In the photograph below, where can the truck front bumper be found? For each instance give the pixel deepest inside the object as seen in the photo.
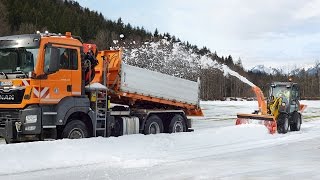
(6, 132)
(20, 125)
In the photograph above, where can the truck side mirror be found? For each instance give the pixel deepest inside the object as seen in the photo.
(54, 60)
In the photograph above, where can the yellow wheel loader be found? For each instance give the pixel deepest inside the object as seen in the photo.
(280, 112)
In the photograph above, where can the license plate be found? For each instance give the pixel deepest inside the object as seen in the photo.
(5, 83)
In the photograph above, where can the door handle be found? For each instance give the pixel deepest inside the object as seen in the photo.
(69, 88)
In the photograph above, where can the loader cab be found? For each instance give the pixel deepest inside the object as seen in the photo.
(279, 90)
(289, 92)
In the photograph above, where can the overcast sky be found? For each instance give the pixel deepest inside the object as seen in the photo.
(270, 32)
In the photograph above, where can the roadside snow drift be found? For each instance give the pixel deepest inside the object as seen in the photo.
(131, 151)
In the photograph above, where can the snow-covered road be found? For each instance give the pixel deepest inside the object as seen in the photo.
(217, 149)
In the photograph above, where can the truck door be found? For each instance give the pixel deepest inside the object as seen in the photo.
(58, 82)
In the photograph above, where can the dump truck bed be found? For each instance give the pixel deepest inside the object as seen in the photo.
(132, 85)
(157, 85)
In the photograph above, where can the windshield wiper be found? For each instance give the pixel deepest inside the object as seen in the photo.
(3, 73)
(22, 72)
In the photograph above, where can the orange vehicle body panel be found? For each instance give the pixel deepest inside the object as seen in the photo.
(57, 83)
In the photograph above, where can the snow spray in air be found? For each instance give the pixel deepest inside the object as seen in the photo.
(160, 56)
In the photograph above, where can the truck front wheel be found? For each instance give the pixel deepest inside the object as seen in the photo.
(75, 129)
(153, 125)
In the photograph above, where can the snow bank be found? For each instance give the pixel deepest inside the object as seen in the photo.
(125, 152)
(244, 132)
(133, 151)
(224, 110)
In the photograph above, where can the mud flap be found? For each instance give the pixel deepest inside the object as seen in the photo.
(10, 132)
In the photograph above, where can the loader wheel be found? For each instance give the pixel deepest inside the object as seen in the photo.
(295, 126)
(283, 123)
(153, 125)
(177, 124)
(75, 129)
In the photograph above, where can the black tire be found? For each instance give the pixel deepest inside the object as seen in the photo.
(75, 129)
(117, 130)
(153, 125)
(283, 123)
(296, 125)
(177, 124)
(8, 141)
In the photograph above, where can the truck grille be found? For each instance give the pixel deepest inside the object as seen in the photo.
(13, 96)
(8, 114)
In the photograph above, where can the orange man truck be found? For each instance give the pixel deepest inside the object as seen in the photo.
(50, 87)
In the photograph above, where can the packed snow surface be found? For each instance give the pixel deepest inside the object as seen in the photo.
(216, 149)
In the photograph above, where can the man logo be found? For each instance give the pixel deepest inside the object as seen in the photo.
(7, 97)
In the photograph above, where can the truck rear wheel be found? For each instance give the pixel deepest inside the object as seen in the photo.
(75, 129)
(177, 124)
(283, 123)
(295, 126)
(153, 125)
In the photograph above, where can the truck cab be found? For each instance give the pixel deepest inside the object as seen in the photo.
(39, 75)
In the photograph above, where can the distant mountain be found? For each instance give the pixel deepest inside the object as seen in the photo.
(308, 69)
(313, 70)
(265, 70)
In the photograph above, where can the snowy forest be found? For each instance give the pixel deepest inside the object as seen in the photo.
(149, 49)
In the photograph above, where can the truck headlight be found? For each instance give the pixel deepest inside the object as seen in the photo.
(31, 118)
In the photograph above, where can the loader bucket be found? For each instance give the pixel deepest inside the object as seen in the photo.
(266, 120)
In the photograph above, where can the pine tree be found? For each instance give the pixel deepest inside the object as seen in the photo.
(156, 33)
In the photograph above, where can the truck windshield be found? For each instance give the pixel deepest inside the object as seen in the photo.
(18, 60)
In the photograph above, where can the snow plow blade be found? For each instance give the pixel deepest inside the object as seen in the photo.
(266, 120)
